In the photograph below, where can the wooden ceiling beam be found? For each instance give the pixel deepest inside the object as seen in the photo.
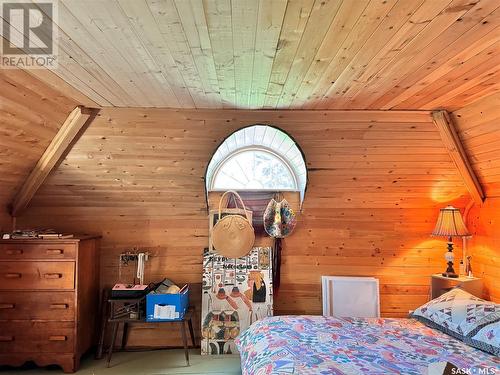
(72, 128)
(452, 142)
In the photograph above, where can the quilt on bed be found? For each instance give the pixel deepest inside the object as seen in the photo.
(324, 345)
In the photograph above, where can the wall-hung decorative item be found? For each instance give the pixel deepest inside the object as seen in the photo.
(214, 217)
(236, 292)
(450, 224)
(233, 235)
(279, 219)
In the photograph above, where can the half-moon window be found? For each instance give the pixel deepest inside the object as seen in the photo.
(258, 157)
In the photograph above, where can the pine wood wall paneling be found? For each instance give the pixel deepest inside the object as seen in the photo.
(5, 220)
(76, 75)
(74, 125)
(361, 69)
(377, 179)
(271, 16)
(478, 127)
(31, 113)
(323, 12)
(53, 81)
(451, 141)
(340, 33)
(192, 70)
(334, 54)
(483, 222)
(378, 24)
(440, 34)
(294, 23)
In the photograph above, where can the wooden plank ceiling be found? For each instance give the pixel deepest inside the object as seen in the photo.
(300, 54)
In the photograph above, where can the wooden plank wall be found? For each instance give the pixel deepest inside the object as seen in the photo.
(377, 179)
(5, 221)
(479, 129)
(31, 112)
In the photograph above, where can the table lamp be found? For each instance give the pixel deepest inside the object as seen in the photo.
(450, 224)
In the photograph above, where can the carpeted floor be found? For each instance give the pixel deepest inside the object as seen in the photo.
(159, 362)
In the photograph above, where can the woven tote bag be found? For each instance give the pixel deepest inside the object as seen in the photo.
(233, 236)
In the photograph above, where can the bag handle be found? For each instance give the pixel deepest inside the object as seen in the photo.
(241, 201)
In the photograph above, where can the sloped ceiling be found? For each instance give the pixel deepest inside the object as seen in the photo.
(300, 54)
(31, 113)
(478, 126)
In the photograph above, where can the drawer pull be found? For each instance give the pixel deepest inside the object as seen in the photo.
(57, 338)
(5, 306)
(6, 338)
(13, 275)
(14, 252)
(54, 252)
(59, 306)
(53, 275)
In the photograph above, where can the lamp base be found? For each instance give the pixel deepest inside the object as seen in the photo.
(450, 272)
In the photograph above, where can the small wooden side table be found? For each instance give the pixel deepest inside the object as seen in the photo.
(115, 322)
(441, 284)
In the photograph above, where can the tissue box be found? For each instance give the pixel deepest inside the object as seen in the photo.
(167, 307)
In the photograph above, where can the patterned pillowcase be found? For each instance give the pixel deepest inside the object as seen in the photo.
(458, 313)
(487, 339)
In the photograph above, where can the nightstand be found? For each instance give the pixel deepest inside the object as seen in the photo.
(441, 285)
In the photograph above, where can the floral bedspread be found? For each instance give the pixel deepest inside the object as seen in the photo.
(324, 345)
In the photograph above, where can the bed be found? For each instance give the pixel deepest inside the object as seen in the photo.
(325, 345)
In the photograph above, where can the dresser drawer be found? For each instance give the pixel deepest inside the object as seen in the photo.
(37, 305)
(37, 337)
(37, 251)
(37, 275)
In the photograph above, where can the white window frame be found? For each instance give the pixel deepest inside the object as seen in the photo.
(253, 148)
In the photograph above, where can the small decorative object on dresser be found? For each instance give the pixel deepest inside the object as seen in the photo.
(468, 266)
(441, 284)
(450, 224)
(49, 295)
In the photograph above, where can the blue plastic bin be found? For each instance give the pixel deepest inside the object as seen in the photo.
(180, 301)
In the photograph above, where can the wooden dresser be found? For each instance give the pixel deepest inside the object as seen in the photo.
(49, 295)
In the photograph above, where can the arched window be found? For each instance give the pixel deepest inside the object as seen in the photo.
(258, 157)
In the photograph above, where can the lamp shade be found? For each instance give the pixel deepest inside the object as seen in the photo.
(450, 223)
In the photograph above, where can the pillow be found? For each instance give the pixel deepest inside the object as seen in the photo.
(458, 313)
(487, 339)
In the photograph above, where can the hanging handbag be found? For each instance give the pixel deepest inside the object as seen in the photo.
(233, 236)
(279, 219)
